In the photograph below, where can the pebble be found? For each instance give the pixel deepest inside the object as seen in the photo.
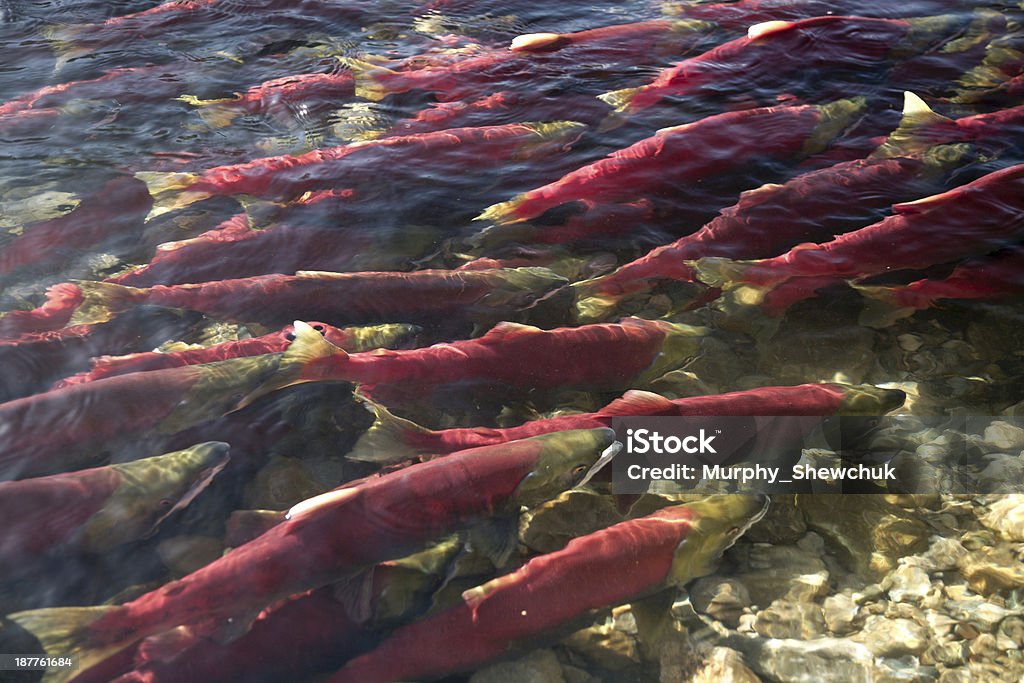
(540, 666)
(722, 665)
(907, 583)
(892, 637)
(786, 619)
(1006, 517)
(840, 613)
(1003, 436)
(721, 598)
(823, 660)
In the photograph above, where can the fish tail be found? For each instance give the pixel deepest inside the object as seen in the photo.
(102, 301)
(619, 100)
(881, 307)
(299, 364)
(719, 272)
(369, 78)
(215, 113)
(170, 191)
(64, 42)
(596, 307)
(505, 212)
(68, 632)
(387, 440)
(910, 135)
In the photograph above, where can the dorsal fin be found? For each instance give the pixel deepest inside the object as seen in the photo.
(636, 402)
(909, 137)
(767, 28)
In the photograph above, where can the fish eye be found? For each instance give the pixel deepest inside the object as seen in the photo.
(733, 531)
(290, 336)
(579, 469)
(319, 328)
(165, 502)
(65, 208)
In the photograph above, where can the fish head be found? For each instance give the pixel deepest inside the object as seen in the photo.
(565, 460)
(865, 399)
(834, 119)
(714, 525)
(150, 490)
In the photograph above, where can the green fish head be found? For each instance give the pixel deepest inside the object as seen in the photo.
(865, 399)
(564, 461)
(150, 490)
(716, 523)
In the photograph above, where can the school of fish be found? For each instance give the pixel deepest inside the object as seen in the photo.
(388, 274)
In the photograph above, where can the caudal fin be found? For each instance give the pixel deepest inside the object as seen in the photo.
(881, 308)
(619, 100)
(388, 440)
(597, 307)
(67, 632)
(170, 191)
(102, 301)
(299, 364)
(636, 402)
(505, 212)
(215, 113)
(370, 78)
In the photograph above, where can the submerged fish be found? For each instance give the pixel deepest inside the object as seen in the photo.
(607, 356)
(604, 569)
(990, 277)
(94, 510)
(772, 53)
(976, 218)
(441, 296)
(283, 98)
(72, 427)
(284, 177)
(685, 155)
(393, 439)
(529, 59)
(353, 340)
(325, 539)
(810, 207)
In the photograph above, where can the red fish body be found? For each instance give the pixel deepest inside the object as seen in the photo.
(288, 176)
(603, 569)
(338, 298)
(75, 426)
(772, 52)
(119, 207)
(34, 360)
(281, 98)
(606, 356)
(811, 207)
(96, 509)
(983, 216)
(990, 277)
(682, 155)
(337, 533)
(530, 58)
(394, 439)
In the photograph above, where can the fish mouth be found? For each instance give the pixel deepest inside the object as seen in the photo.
(605, 458)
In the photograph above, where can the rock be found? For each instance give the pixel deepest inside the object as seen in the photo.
(721, 598)
(840, 613)
(1012, 630)
(575, 513)
(723, 665)
(983, 648)
(778, 571)
(185, 554)
(574, 674)
(1003, 436)
(280, 484)
(946, 652)
(785, 619)
(869, 532)
(960, 675)
(978, 612)
(907, 583)
(1003, 474)
(892, 637)
(1006, 517)
(909, 342)
(993, 570)
(540, 666)
(782, 524)
(606, 646)
(825, 660)
(944, 555)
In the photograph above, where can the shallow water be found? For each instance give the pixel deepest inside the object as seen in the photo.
(72, 209)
